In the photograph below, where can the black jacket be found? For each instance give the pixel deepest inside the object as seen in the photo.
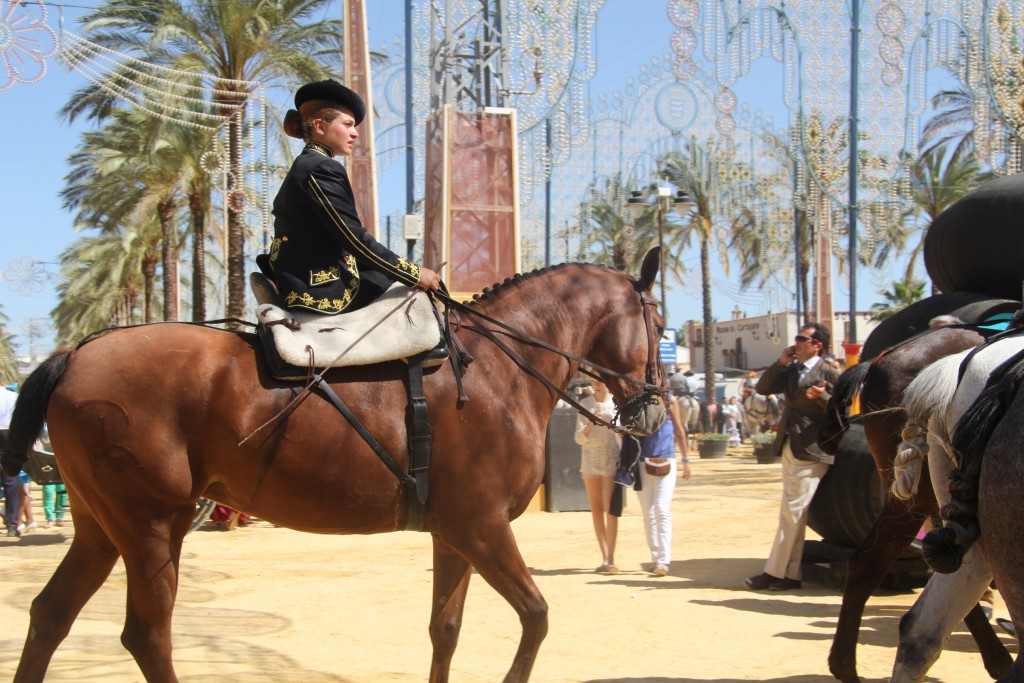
(802, 418)
(321, 257)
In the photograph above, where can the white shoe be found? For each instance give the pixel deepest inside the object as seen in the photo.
(21, 527)
(31, 526)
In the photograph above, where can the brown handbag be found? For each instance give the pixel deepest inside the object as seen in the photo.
(657, 467)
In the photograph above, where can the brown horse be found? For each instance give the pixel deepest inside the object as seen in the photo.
(146, 420)
(881, 383)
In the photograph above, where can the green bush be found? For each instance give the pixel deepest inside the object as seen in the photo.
(763, 437)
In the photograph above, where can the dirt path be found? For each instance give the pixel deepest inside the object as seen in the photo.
(268, 604)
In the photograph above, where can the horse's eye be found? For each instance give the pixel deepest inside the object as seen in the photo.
(660, 329)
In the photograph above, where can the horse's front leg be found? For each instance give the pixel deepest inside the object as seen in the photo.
(943, 603)
(492, 550)
(451, 582)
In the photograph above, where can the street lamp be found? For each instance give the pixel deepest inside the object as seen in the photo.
(682, 203)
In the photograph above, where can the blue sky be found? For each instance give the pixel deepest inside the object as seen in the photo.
(629, 34)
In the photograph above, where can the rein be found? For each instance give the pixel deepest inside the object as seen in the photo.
(643, 393)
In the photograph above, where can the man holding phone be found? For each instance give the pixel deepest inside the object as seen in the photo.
(807, 384)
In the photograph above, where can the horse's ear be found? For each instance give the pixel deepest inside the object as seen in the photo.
(649, 270)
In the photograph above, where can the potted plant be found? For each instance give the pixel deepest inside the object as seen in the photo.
(712, 445)
(763, 447)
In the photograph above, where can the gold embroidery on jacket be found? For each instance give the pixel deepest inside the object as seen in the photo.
(408, 266)
(275, 247)
(323, 277)
(326, 305)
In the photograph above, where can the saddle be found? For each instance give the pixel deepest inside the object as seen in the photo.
(402, 324)
(399, 325)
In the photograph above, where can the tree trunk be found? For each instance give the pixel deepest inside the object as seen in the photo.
(169, 256)
(149, 261)
(709, 334)
(197, 211)
(236, 227)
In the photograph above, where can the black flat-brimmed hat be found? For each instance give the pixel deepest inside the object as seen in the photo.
(332, 91)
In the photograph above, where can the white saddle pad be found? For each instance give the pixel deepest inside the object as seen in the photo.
(410, 330)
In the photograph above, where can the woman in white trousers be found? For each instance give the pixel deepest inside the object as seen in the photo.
(658, 482)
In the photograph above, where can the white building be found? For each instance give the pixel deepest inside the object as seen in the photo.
(755, 343)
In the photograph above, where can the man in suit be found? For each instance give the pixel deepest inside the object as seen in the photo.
(806, 381)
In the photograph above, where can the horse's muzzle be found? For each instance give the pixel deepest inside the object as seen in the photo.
(645, 417)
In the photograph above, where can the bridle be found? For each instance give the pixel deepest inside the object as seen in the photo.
(636, 401)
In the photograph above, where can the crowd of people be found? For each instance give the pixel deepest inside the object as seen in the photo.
(19, 517)
(802, 378)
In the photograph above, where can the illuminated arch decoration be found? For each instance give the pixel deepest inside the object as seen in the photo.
(26, 42)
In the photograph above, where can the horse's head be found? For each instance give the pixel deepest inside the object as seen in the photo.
(627, 342)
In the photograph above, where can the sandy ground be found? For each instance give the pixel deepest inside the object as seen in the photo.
(262, 603)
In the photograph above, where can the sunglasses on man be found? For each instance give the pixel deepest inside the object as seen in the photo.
(802, 338)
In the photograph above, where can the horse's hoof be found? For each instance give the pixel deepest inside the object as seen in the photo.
(843, 672)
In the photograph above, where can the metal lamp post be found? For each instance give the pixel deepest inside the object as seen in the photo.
(682, 203)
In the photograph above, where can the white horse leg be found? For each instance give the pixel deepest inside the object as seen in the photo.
(942, 605)
(947, 598)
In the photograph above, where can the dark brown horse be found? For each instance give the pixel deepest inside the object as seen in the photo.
(146, 420)
(881, 383)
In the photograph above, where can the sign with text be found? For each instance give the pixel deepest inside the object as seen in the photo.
(667, 347)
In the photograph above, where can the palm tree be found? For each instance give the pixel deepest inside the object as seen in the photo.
(953, 123)
(602, 215)
(8, 358)
(621, 241)
(102, 279)
(935, 185)
(234, 47)
(698, 170)
(899, 297)
(125, 174)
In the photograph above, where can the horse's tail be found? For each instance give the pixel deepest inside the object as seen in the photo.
(847, 385)
(929, 394)
(839, 406)
(944, 549)
(30, 410)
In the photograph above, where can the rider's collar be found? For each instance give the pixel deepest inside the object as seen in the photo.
(319, 148)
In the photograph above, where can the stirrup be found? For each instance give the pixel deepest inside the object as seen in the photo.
(436, 355)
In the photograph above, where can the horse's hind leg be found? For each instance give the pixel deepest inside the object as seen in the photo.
(866, 567)
(83, 570)
(494, 554)
(451, 582)
(151, 551)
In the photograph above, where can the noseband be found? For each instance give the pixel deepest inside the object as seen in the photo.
(644, 396)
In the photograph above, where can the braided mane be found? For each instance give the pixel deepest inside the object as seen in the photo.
(517, 279)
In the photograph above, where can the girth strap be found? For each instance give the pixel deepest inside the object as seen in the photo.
(420, 435)
(416, 514)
